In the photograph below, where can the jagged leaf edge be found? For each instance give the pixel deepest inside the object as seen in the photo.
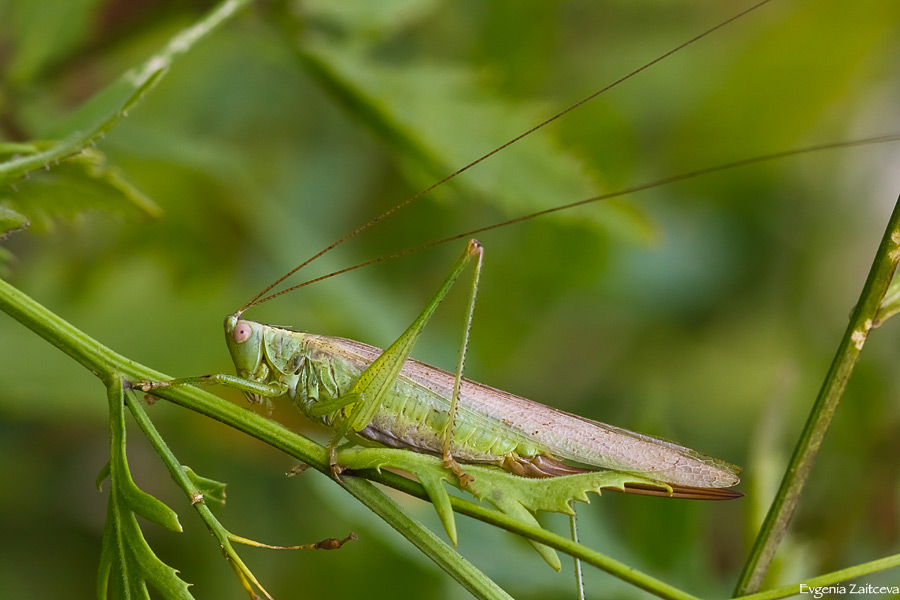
(130, 549)
(518, 497)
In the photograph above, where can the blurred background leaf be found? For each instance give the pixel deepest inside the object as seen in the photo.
(704, 312)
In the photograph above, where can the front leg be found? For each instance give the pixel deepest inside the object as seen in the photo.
(254, 390)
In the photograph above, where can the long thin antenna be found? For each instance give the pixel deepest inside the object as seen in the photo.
(881, 139)
(258, 299)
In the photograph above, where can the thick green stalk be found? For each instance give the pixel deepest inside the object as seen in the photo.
(861, 321)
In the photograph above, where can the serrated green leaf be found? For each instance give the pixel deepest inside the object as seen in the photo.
(213, 491)
(125, 552)
(515, 496)
(512, 506)
(158, 574)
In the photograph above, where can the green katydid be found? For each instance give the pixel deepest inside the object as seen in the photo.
(384, 397)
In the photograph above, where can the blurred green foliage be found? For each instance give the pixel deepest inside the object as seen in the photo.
(705, 311)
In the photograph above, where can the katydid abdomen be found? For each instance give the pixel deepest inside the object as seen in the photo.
(491, 425)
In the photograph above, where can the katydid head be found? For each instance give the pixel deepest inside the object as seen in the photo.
(245, 342)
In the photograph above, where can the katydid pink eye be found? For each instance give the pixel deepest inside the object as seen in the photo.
(242, 333)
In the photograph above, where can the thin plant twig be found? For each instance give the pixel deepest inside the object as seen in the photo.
(861, 322)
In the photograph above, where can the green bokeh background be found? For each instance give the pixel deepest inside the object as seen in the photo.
(706, 311)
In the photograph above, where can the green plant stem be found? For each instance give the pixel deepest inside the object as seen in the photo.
(107, 364)
(861, 321)
(832, 578)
